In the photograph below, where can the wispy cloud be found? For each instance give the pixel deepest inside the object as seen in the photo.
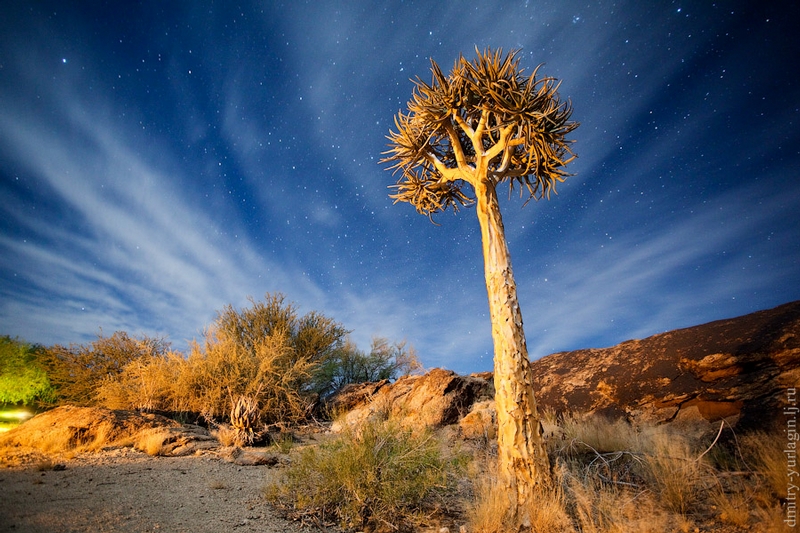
(137, 252)
(642, 281)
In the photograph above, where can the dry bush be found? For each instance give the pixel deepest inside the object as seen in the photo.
(222, 370)
(146, 384)
(78, 371)
(214, 375)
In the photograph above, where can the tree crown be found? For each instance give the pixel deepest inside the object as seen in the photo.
(484, 122)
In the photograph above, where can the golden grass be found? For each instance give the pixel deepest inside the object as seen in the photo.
(597, 433)
(732, 506)
(548, 514)
(613, 477)
(226, 435)
(764, 453)
(675, 471)
(153, 442)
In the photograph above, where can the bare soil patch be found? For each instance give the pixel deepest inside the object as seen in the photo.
(124, 490)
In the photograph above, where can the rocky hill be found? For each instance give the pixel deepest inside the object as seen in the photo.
(740, 369)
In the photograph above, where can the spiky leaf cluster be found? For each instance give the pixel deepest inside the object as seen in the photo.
(486, 120)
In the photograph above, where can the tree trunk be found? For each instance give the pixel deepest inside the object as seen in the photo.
(522, 456)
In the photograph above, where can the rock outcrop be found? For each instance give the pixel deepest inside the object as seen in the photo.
(69, 428)
(738, 369)
(438, 398)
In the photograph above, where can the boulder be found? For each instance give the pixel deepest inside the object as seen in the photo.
(435, 399)
(480, 422)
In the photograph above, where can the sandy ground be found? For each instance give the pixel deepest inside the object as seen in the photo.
(125, 490)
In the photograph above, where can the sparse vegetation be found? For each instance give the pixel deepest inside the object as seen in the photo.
(379, 477)
(263, 368)
(608, 476)
(611, 476)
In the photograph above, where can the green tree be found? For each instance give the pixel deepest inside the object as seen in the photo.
(77, 371)
(22, 377)
(485, 124)
(385, 360)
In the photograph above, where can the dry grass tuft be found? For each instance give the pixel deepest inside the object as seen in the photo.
(153, 442)
(764, 454)
(600, 503)
(217, 484)
(675, 471)
(598, 433)
(226, 435)
(733, 506)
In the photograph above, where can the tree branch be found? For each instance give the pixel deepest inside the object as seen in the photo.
(455, 142)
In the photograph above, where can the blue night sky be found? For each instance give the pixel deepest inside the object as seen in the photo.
(159, 160)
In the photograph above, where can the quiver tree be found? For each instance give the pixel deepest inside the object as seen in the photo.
(485, 124)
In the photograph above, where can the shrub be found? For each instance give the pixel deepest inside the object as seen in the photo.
(77, 371)
(312, 338)
(22, 377)
(378, 476)
(220, 371)
(266, 352)
(146, 383)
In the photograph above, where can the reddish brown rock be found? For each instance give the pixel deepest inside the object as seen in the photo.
(736, 369)
(480, 422)
(438, 398)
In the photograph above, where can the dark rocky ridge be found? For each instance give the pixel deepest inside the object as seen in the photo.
(739, 368)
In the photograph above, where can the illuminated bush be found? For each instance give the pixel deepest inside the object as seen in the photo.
(22, 378)
(77, 371)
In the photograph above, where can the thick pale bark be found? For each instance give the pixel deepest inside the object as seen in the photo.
(522, 456)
